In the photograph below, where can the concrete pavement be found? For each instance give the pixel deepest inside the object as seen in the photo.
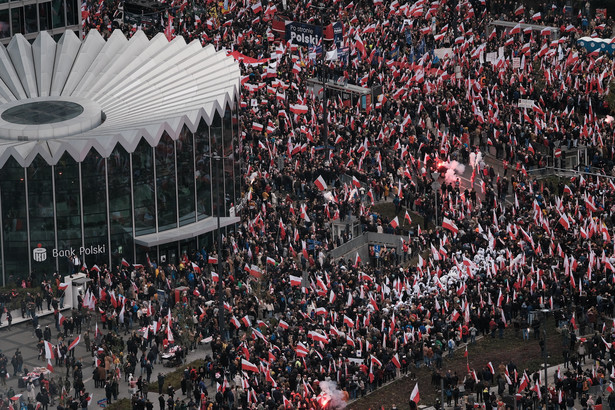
(21, 335)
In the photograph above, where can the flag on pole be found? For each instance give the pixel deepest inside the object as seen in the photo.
(49, 351)
(414, 396)
(74, 343)
(320, 183)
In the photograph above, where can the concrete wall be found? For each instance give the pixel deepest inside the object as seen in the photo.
(360, 245)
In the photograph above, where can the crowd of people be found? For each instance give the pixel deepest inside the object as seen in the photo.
(504, 246)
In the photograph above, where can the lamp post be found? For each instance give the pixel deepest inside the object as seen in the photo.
(545, 313)
(221, 325)
(435, 186)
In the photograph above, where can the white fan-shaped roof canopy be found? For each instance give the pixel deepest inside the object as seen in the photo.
(127, 89)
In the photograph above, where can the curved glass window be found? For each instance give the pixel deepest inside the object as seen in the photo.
(120, 205)
(14, 223)
(95, 239)
(166, 183)
(143, 183)
(227, 147)
(185, 177)
(68, 214)
(42, 228)
(203, 171)
(237, 157)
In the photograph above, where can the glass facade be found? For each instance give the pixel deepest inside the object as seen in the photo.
(57, 217)
(41, 210)
(29, 17)
(14, 219)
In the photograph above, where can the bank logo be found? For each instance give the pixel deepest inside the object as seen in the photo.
(39, 253)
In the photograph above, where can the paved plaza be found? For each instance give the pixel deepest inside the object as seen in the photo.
(21, 335)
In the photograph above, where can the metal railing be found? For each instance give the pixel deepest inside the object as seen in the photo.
(561, 172)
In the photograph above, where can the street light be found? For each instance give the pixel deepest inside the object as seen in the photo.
(435, 186)
(545, 313)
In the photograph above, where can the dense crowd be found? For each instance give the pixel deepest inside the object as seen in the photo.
(505, 246)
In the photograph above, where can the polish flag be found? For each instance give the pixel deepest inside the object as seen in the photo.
(348, 321)
(246, 365)
(491, 369)
(407, 218)
(523, 384)
(246, 321)
(564, 221)
(448, 224)
(298, 108)
(320, 183)
(257, 8)
(212, 260)
(74, 343)
(125, 263)
(301, 350)
(295, 280)
(395, 360)
(63, 286)
(49, 366)
(61, 318)
(395, 222)
(283, 324)
(318, 337)
(414, 396)
(49, 351)
(256, 271)
(214, 276)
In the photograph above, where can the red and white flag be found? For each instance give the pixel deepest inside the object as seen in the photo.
(395, 360)
(407, 217)
(320, 183)
(414, 396)
(295, 280)
(395, 222)
(74, 343)
(246, 365)
(49, 351)
(450, 225)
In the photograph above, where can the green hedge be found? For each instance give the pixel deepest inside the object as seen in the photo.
(175, 377)
(121, 404)
(15, 302)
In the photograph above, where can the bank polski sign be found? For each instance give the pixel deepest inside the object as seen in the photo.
(39, 254)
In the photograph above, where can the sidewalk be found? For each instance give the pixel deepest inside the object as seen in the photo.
(18, 319)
